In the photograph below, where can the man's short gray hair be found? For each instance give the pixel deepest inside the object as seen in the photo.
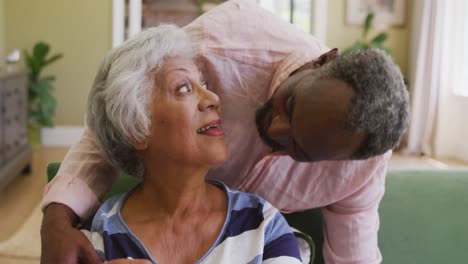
(120, 99)
(380, 105)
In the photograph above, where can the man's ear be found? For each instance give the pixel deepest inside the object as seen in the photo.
(140, 145)
(326, 57)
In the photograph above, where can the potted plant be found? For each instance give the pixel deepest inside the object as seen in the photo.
(41, 102)
(364, 43)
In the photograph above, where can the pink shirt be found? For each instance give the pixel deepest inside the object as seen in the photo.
(246, 53)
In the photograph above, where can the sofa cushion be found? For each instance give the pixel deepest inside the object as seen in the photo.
(424, 217)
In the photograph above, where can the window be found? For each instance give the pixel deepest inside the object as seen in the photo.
(456, 30)
(130, 16)
(298, 12)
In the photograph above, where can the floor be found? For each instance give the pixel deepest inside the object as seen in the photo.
(24, 193)
(404, 162)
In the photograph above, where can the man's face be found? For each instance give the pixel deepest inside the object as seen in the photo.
(306, 119)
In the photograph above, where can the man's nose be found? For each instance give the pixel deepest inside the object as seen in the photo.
(280, 130)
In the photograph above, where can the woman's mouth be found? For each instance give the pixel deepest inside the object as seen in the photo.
(211, 129)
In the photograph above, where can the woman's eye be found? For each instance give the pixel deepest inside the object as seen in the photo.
(204, 85)
(184, 89)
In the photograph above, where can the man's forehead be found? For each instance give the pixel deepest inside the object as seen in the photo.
(324, 100)
(313, 85)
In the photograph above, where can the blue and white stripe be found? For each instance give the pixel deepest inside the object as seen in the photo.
(254, 232)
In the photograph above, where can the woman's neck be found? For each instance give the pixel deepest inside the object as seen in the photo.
(173, 191)
(177, 216)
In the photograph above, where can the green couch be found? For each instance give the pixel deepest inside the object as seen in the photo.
(423, 217)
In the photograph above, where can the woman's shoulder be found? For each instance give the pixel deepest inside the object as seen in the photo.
(111, 206)
(242, 204)
(255, 227)
(105, 214)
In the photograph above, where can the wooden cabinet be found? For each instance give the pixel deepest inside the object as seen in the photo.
(15, 152)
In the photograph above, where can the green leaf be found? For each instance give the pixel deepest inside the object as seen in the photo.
(357, 46)
(40, 51)
(34, 88)
(43, 86)
(32, 64)
(381, 47)
(367, 24)
(380, 38)
(48, 104)
(34, 117)
(52, 59)
(28, 59)
(46, 121)
(201, 4)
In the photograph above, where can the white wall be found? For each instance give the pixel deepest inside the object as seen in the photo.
(451, 138)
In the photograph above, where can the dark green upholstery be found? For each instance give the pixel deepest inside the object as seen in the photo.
(310, 223)
(122, 184)
(423, 217)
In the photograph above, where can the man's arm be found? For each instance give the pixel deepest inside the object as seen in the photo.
(351, 225)
(63, 243)
(82, 180)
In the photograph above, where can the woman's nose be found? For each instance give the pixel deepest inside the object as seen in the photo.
(209, 100)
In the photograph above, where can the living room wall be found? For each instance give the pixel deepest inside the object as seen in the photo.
(2, 31)
(341, 36)
(81, 30)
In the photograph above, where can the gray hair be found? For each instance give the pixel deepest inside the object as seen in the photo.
(120, 99)
(380, 105)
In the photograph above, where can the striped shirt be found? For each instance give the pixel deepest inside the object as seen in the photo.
(253, 232)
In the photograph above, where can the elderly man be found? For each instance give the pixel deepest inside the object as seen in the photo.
(310, 105)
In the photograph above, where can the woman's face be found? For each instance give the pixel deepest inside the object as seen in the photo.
(185, 118)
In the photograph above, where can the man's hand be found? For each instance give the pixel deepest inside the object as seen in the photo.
(61, 241)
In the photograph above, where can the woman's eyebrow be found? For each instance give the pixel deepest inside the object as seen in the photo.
(187, 71)
(182, 69)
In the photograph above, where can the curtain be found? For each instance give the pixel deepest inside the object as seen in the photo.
(438, 70)
(452, 120)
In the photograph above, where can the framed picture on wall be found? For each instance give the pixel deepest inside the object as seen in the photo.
(387, 12)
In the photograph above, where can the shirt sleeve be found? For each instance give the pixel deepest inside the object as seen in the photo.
(83, 178)
(280, 242)
(349, 193)
(351, 225)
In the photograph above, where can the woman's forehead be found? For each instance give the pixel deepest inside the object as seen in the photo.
(175, 63)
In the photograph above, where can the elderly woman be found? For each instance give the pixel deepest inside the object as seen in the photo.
(154, 118)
